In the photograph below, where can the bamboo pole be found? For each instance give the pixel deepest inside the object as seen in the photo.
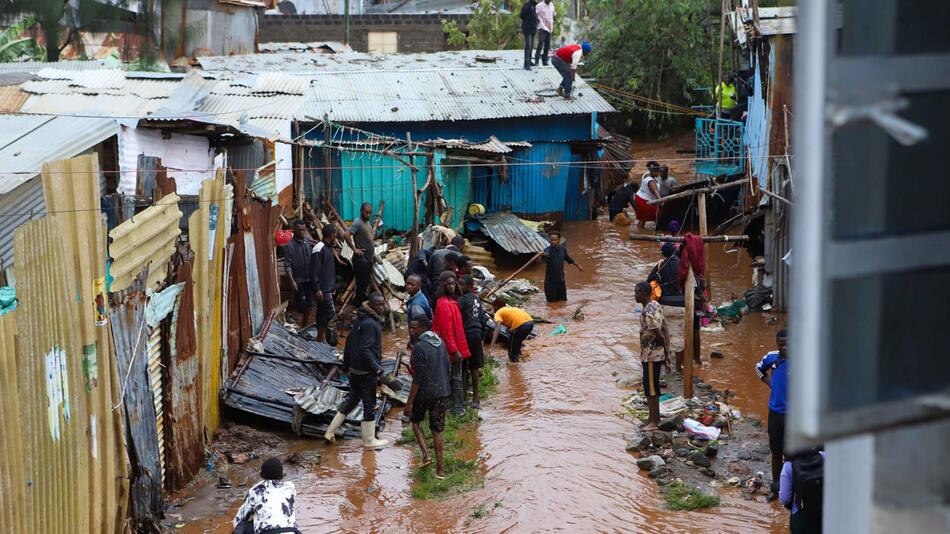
(679, 239)
(688, 335)
(718, 81)
(691, 192)
(514, 274)
(776, 197)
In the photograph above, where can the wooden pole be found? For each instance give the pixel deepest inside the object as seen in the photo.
(414, 236)
(326, 161)
(703, 232)
(718, 80)
(691, 192)
(679, 239)
(514, 274)
(689, 340)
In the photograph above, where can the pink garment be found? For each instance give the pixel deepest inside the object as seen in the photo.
(545, 16)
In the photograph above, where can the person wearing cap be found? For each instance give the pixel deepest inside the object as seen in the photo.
(268, 507)
(565, 60)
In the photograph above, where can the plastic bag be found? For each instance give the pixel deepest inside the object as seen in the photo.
(697, 430)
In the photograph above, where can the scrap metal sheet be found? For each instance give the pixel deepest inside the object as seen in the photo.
(145, 240)
(512, 235)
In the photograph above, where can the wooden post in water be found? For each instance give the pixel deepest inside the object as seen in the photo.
(703, 232)
(689, 340)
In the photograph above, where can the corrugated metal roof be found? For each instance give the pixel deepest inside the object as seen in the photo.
(26, 142)
(144, 88)
(146, 240)
(12, 99)
(36, 66)
(233, 107)
(492, 145)
(316, 46)
(279, 83)
(511, 234)
(90, 79)
(99, 105)
(308, 63)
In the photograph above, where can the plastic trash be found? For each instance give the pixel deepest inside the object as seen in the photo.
(697, 430)
(559, 330)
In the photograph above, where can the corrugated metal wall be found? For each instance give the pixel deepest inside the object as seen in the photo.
(577, 191)
(13, 499)
(372, 178)
(456, 180)
(540, 129)
(16, 207)
(71, 189)
(535, 185)
(185, 156)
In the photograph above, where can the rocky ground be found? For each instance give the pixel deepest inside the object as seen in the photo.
(739, 458)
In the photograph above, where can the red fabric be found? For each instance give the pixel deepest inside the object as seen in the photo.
(645, 210)
(692, 256)
(447, 323)
(565, 52)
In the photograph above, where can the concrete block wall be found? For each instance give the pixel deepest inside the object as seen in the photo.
(417, 33)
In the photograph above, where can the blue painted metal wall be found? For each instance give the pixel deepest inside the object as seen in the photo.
(555, 128)
(536, 182)
(455, 177)
(372, 178)
(577, 192)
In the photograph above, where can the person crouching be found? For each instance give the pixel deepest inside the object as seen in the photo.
(268, 507)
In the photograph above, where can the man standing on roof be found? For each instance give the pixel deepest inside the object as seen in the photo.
(565, 60)
(529, 26)
(545, 11)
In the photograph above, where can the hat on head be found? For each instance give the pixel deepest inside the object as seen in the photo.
(586, 47)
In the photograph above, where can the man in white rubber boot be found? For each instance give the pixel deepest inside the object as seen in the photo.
(362, 356)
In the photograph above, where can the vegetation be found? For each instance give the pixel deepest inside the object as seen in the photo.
(60, 22)
(662, 49)
(680, 497)
(13, 47)
(496, 26)
(460, 474)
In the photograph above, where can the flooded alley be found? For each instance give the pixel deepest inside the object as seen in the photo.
(551, 444)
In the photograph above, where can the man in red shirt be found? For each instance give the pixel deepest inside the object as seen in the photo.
(565, 60)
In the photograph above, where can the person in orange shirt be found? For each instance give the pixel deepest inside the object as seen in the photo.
(519, 324)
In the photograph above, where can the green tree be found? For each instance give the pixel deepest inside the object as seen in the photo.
(496, 25)
(55, 16)
(656, 48)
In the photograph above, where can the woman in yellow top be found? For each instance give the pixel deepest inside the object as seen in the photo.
(519, 324)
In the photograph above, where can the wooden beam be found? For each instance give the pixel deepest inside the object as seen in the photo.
(688, 335)
(704, 231)
(679, 239)
(776, 197)
(701, 190)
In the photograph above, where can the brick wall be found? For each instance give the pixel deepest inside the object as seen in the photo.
(417, 33)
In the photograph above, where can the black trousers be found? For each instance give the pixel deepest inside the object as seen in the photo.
(362, 389)
(544, 41)
(528, 48)
(516, 339)
(362, 270)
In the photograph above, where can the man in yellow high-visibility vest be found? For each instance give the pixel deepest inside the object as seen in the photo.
(726, 95)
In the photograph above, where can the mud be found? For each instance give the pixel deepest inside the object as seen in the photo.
(551, 444)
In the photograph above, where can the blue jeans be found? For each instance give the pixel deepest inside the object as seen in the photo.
(567, 75)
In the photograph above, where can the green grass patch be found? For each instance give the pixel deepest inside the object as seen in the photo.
(460, 474)
(681, 497)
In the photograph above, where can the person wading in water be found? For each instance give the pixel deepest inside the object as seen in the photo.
(554, 257)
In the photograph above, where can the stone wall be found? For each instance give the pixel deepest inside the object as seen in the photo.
(416, 33)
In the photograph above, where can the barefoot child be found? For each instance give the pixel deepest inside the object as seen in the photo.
(654, 350)
(430, 389)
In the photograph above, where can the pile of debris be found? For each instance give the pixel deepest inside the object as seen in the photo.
(702, 441)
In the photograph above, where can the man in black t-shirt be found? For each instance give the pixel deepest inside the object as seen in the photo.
(473, 320)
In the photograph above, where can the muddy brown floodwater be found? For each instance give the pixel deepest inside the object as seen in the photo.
(550, 442)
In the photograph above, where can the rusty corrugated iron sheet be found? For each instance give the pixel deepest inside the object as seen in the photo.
(157, 383)
(145, 240)
(13, 488)
(207, 231)
(511, 234)
(63, 313)
(184, 432)
(130, 335)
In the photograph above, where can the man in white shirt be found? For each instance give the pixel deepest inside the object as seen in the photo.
(545, 11)
(566, 60)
